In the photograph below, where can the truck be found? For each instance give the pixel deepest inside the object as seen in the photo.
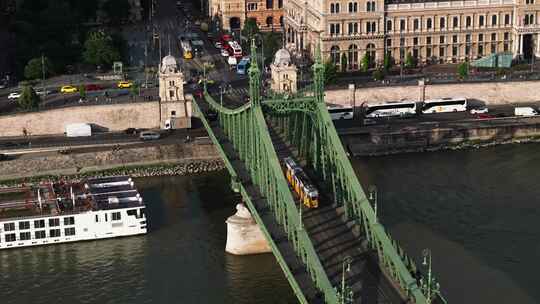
(78, 129)
(525, 111)
(242, 66)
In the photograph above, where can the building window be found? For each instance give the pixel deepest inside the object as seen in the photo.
(9, 226)
(334, 8)
(353, 28)
(454, 51)
(39, 223)
(69, 221)
(116, 216)
(455, 22)
(442, 23)
(454, 39)
(54, 222)
(507, 19)
(269, 4)
(481, 20)
(252, 6)
(334, 28)
(388, 25)
(480, 50)
(353, 56)
(468, 21)
(173, 113)
(506, 47)
(370, 6)
(428, 52)
(171, 83)
(353, 7)
(428, 40)
(493, 48)
(106, 217)
(370, 27)
(171, 94)
(280, 4)
(468, 38)
(388, 42)
(506, 36)
(429, 23)
(69, 231)
(493, 36)
(24, 225)
(441, 51)
(40, 234)
(529, 1)
(334, 53)
(441, 39)
(494, 20)
(415, 24)
(415, 41)
(269, 21)
(402, 25)
(97, 218)
(10, 237)
(467, 50)
(24, 236)
(54, 233)
(480, 37)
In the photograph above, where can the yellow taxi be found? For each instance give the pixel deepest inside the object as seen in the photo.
(125, 84)
(68, 89)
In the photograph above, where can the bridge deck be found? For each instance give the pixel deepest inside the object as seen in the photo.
(334, 239)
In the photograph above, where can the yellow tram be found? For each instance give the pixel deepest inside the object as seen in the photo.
(300, 182)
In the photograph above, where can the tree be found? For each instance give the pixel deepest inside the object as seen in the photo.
(82, 91)
(388, 61)
(250, 29)
(271, 45)
(29, 100)
(365, 62)
(33, 69)
(330, 71)
(463, 70)
(410, 61)
(116, 10)
(99, 49)
(343, 63)
(378, 75)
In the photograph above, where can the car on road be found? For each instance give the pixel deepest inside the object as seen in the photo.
(149, 135)
(483, 110)
(224, 53)
(217, 45)
(131, 131)
(125, 84)
(14, 95)
(2, 86)
(93, 87)
(199, 94)
(68, 89)
(147, 85)
(43, 92)
(484, 116)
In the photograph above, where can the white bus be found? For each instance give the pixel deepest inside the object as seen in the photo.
(236, 49)
(444, 105)
(338, 113)
(187, 52)
(404, 108)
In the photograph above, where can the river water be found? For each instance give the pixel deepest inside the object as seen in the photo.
(476, 210)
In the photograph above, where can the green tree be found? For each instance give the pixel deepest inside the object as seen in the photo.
(250, 29)
(343, 63)
(29, 100)
(378, 75)
(117, 11)
(82, 91)
(463, 70)
(271, 45)
(134, 90)
(33, 69)
(364, 65)
(388, 61)
(410, 61)
(99, 50)
(330, 72)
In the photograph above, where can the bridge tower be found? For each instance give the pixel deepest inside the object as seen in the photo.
(254, 78)
(283, 73)
(175, 108)
(318, 76)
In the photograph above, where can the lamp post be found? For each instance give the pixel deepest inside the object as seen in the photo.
(373, 198)
(346, 294)
(430, 287)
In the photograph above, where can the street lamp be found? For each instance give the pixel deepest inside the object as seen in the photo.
(373, 198)
(261, 62)
(346, 294)
(430, 287)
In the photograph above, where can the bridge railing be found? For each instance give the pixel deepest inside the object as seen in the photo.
(246, 128)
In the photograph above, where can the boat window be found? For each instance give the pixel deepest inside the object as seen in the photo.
(24, 225)
(54, 222)
(69, 221)
(69, 231)
(9, 226)
(54, 233)
(10, 237)
(39, 223)
(97, 218)
(40, 234)
(132, 212)
(116, 216)
(24, 236)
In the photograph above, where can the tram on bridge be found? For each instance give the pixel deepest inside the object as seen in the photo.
(300, 182)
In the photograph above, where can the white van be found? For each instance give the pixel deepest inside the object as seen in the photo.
(525, 111)
(149, 135)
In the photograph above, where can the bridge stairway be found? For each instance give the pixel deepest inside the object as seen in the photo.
(277, 233)
(335, 238)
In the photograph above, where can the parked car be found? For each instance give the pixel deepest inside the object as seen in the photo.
(149, 135)
(146, 85)
(93, 87)
(43, 92)
(483, 110)
(68, 89)
(131, 131)
(14, 95)
(2, 86)
(217, 45)
(125, 84)
(484, 116)
(224, 53)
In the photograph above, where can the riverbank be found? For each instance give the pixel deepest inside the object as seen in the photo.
(171, 159)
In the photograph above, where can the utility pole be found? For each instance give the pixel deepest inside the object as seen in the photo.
(43, 70)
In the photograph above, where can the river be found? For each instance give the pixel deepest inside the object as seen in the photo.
(476, 210)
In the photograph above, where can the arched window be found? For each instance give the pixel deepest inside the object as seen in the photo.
(468, 21)
(372, 6)
(337, 8)
(353, 57)
(350, 7)
(494, 20)
(269, 21)
(355, 7)
(371, 52)
(455, 22)
(334, 54)
(332, 8)
(429, 23)
(280, 3)
(368, 6)
(442, 22)
(281, 20)
(269, 4)
(373, 27)
(415, 24)
(368, 27)
(388, 25)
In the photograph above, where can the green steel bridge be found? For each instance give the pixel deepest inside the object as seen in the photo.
(337, 253)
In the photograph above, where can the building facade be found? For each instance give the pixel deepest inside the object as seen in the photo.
(431, 31)
(233, 13)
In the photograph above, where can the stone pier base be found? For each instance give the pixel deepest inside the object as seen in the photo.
(244, 235)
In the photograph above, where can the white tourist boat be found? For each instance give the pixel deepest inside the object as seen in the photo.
(51, 213)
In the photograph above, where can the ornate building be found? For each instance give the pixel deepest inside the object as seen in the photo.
(233, 13)
(431, 31)
(283, 73)
(175, 109)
